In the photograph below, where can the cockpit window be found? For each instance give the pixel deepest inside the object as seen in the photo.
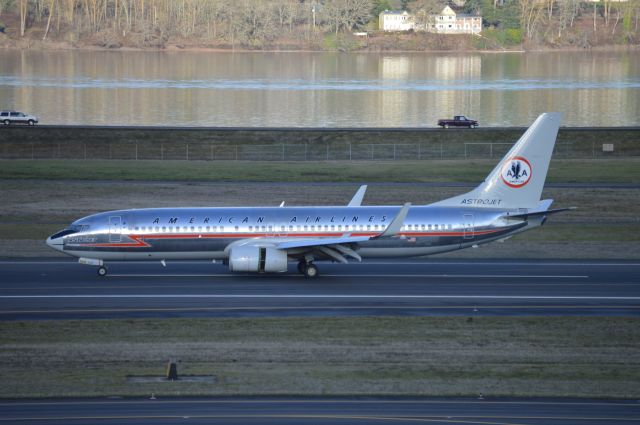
(62, 233)
(74, 228)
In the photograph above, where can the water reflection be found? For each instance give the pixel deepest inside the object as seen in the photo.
(319, 89)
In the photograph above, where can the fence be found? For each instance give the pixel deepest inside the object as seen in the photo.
(319, 145)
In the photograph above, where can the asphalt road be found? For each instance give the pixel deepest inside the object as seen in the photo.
(66, 289)
(323, 411)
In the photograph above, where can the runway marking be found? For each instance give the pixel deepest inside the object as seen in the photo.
(377, 276)
(288, 308)
(444, 418)
(318, 296)
(336, 400)
(366, 262)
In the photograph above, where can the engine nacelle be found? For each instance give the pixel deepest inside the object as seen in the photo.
(257, 259)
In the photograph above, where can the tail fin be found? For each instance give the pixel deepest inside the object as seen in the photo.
(517, 181)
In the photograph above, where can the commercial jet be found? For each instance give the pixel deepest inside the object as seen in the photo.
(266, 239)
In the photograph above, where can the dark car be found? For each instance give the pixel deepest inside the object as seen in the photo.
(15, 117)
(458, 121)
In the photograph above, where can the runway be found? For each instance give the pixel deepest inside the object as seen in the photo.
(323, 411)
(33, 290)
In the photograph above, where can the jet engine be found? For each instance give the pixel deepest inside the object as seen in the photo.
(257, 259)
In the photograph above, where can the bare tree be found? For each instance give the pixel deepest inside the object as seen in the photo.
(567, 12)
(425, 12)
(530, 13)
(23, 6)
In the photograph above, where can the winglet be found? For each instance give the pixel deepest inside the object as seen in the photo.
(397, 222)
(356, 201)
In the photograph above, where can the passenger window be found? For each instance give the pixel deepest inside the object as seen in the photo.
(340, 227)
(236, 228)
(208, 228)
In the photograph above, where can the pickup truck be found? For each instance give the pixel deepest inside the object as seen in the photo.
(458, 121)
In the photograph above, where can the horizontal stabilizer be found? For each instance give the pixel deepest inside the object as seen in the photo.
(525, 216)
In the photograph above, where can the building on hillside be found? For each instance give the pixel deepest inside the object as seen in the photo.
(395, 20)
(449, 22)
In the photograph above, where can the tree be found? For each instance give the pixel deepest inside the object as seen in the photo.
(425, 10)
(346, 14)
(530, 13)
(380, 6)
(5, 5)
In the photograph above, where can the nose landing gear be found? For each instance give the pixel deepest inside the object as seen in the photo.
(102, 271)
(309, 270)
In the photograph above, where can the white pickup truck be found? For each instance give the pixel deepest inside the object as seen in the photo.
(15, 117)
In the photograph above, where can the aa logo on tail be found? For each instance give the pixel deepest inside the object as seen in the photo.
(516, 172)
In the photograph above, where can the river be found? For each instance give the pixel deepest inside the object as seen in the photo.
(300, 89)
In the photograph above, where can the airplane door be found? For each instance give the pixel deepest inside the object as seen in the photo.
(468, 224)
(115, 228)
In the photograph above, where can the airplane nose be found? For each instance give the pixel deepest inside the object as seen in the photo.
(55, 243)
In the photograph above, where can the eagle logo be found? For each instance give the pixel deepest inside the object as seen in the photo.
(516, 172)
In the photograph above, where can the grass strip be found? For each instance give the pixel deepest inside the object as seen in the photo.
(620, 170)
(515, 356)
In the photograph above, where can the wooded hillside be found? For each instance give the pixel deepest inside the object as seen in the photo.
(314, 24)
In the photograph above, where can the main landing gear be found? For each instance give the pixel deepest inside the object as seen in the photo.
(309, 270)
(102, 271)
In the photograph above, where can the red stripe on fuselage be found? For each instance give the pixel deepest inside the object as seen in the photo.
(140, 243)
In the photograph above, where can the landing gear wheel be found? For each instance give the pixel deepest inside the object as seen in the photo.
(311, 271)
(102, 271)
(6, 122)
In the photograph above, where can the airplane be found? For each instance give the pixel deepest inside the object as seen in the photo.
(266, 239)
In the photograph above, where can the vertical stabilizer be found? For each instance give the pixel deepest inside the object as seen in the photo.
(517, 181)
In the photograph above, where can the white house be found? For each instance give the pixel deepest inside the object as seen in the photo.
(449, 22)
(395, 20)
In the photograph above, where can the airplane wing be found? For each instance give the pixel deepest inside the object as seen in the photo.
(338, 247)
(391, 230)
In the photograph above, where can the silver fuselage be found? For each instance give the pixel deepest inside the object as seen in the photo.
(206, 233)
